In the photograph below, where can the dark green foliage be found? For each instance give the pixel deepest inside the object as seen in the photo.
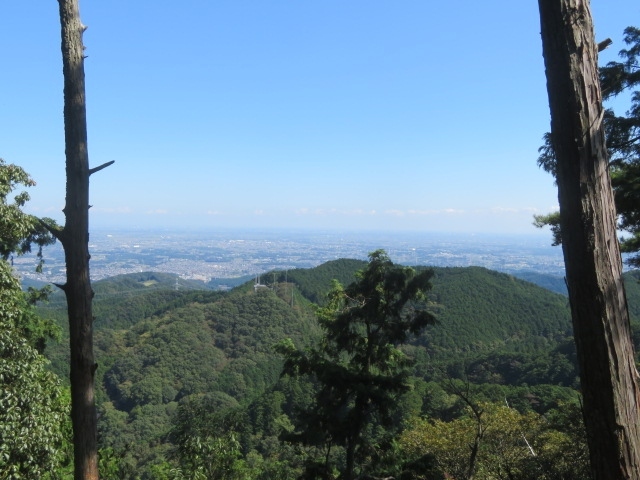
(422, 468)
(482, 310)
(551, 220)
(34, 408)
(18, 230)
(479, 309)
(314, 283)
(503, 368)
(359, 370)
(120, 303)
(571, 460)
(205, 437)
(36, 330)
(124, 300)
(220, 345)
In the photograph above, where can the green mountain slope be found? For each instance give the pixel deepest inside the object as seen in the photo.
(550, 282)
(121, 302)
(224, 345)
(314, 283)
(223, 342)
(480, 309)
(158, 348)
(221, 347)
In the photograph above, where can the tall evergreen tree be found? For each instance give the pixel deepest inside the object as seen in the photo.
(608, 374)
(358, 368)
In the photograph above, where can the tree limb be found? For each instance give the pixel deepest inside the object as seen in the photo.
(104, 165)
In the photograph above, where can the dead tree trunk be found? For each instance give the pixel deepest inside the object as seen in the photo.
(609, 378)
(75, 240)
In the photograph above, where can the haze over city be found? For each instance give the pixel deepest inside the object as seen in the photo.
(216, 257)
(345, 115)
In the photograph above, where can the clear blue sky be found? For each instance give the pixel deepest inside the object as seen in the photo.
(408, 115)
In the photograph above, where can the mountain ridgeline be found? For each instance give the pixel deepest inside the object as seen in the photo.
(164, 351)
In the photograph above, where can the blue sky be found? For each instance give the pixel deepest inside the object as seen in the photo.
(409, 115)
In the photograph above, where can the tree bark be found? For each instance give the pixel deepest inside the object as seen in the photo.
(75, 240)
(608, 375)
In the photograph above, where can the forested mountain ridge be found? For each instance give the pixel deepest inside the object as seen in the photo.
(477, 308)
(119, 303)
(480, 309)
(160, 349)
(224, 347)
(314, 283)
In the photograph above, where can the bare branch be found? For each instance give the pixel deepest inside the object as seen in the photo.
(104, 165)
(604, 44)
(56, 232)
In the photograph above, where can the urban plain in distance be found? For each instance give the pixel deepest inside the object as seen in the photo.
(213, 256)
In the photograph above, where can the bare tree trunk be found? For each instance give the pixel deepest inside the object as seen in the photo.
(591, 253)
(75, 240)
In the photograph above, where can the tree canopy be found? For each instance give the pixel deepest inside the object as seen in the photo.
(358, 367)
(34, 408)
(18, 230)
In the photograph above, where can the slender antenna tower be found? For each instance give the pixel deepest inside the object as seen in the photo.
(286, 282)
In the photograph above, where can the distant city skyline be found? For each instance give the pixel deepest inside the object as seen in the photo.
(343, 115)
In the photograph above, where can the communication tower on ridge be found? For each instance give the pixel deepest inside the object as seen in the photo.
(257, 285)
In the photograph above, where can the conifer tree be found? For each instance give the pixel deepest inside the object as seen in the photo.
(608, 374)
(358, 368)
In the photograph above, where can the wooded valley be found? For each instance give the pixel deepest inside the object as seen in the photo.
(190, 384)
